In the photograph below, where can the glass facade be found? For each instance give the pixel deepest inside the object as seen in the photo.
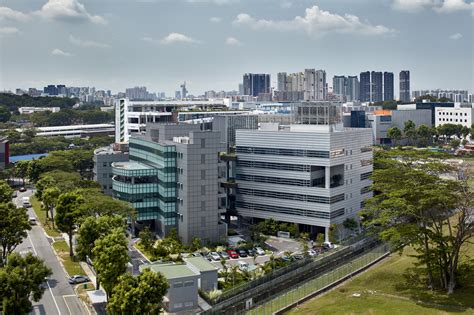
(148, 181)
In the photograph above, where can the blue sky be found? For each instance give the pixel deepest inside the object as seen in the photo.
(114, 44)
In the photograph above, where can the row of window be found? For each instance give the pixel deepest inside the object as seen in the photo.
(274, 166)
(365, 190)
(166, 155)
(451, 114)
(450, 119)
(275, 180)
(291, 211)
(365, 175)
(283, 152)
(289, 196)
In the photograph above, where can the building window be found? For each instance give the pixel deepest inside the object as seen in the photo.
(188, 304)
(203, 174)
(203, 143)
(188, 283)
(203, 159)
(178, 305)
(177, 285)
(203, 190)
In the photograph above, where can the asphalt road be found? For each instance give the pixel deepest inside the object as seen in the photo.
(59, 297)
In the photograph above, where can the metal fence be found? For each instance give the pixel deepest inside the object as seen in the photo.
(316, 285)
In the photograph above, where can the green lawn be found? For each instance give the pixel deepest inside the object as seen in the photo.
(72, 267)
(386, 289)
(47, 226)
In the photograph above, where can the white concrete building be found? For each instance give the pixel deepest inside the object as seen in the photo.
(314, 174)
(461, 114)
(31, 110)
(131, 116)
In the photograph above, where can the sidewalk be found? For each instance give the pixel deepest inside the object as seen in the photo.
(89, 273)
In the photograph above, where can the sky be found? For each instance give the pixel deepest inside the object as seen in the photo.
(210, 44)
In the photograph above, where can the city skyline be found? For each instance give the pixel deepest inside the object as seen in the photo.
(213, 43)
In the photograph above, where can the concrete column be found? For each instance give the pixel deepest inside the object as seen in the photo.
(326, 233)
(327, 177)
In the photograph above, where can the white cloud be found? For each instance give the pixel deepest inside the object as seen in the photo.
(286, 4)
(215, 19)
(456, 36)
(176, 38)
(59, 52)
(9, 31)
(7, 13)
(218, 2)
(86, 43)
(316, 22)
(147, 39)
(412, 5)
(68, 11)
(232, 41)
(450, 6)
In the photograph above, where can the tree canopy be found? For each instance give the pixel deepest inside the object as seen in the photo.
(13, 226)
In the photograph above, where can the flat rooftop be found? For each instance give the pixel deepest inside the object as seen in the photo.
(171, 271)
(132, 166)
(200, 263)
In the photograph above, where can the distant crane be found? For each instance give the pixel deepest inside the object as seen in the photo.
(183, 90)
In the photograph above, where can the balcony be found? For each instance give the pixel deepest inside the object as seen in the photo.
(230, 183)
(226, 157)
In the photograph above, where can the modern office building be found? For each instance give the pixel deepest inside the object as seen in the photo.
(388, 94)
(365, 87)
(227, 125)
(310, 85)
(31, 110)
(172, 180)
(427, 105)
(131, 117)
(352, 89)
(51, 90)
(315, 173)
(75, 131)
(281, 81)
(405, 86)
(103, 159)
(376, 84)
(255, 84)
(321, 85)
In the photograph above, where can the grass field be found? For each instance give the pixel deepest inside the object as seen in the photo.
(387, 289)
(47, 226)
(72, 267)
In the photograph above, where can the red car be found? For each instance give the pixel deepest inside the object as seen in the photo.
(232, 253)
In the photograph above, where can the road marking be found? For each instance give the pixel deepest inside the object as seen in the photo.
(47, 281)
(65, 302)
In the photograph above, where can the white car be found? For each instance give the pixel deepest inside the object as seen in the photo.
(312, 253)
(259, 251)
(215, 256)
(25, 201)
(32, 220)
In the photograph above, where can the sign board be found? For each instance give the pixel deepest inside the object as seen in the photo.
(283, 234)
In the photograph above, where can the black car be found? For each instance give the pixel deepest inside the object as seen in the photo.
(251, 252)
(22, 189)
(242, 253)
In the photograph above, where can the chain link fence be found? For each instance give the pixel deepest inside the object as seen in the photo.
(313, 287)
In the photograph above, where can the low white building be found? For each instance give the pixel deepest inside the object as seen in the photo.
(72, 131)
(31, 110)
(460, 114)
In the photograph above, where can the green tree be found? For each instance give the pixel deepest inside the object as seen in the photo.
(472, 132)
(110, 259)
(4, 114)
(12, 135)
(304, 239)
(5, 192)
(465, 132)
(22, 279)
(195, 244)
(14, 224)
(146, 239)
(138, 295)
(43, 183)
(50, 198)
(455, 143)
(21, 170)
(28, 134)
(409, 130)
(395, 134)
(350, 224)
(93, 228)
(424, 135)
(98, 204)
(68, 214)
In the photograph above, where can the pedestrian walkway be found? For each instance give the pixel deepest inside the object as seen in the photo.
(89, 272)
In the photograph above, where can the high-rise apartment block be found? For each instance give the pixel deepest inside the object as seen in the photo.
(339, 86)
(365, 86)
(255, 84)
(405, 86)
(353, 89)
(388, 94)
(376, 86)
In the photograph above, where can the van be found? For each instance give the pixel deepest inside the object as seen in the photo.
(26, 202)
(244, 266)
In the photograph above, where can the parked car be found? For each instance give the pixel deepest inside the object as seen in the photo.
(259, 251)
(224, 255)
(251, 252)
(242, 253)
(78, 279)
(14, 194)
(328, 245)
(298, 257)
(287, 258)
(22, 189)
(232, 253)
(196, 255)
(244, 266)
(208, 256)
(215, 256)
(312, 252)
